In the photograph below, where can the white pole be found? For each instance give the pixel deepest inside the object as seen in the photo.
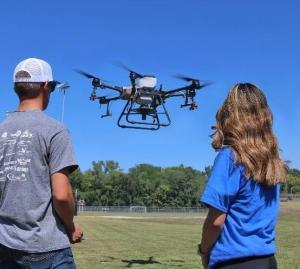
(76, 202)
(63, 87)
(63, 106)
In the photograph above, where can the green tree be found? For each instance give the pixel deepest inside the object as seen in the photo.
(293, 183)
(161, 196)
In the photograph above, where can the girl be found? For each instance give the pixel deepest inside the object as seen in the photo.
(243, 189)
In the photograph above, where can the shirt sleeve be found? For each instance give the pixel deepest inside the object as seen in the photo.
(61, 153)
(223, 183)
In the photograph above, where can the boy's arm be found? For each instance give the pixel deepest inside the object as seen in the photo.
(63, 204)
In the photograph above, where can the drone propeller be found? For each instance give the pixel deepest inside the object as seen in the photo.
(184, 78)
(202, 83)
(87, 75)
(96, 80)
(125, 67)
(205, 84)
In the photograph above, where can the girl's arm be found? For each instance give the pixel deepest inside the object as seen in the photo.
(211, 230)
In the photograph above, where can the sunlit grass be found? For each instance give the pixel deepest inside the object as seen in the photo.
(163, 241)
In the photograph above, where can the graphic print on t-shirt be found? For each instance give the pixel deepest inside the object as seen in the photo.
(15, 155)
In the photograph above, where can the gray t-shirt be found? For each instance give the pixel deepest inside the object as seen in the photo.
(32, 147)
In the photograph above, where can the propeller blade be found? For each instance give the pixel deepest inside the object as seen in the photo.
(125, 67)
(87, 75)
(205, 84)
(185, 78)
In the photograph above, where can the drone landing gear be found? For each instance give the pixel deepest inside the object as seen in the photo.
(132, 116)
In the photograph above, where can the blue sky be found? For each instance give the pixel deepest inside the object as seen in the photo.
(226, 41)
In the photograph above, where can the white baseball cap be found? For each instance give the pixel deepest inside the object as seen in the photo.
(36, 70)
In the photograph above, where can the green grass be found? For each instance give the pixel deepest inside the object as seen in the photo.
(163, 242)
(288, 240)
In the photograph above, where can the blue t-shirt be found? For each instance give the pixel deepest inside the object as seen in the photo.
(251, 209)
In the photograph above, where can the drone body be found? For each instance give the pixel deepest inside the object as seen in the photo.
(145, 103)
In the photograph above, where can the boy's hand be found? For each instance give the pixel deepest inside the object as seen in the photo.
(75, 234)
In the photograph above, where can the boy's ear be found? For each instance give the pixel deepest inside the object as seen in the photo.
(45, 85)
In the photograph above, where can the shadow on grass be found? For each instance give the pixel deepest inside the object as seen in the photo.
(131, 263)
(151, 260)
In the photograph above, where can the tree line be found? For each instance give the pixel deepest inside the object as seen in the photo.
(106, 184)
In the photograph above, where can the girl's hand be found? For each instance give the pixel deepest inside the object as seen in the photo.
(205, 260)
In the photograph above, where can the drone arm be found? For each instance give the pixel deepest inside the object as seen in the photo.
(173, 95)
(103, 100)
(188, 95)
(115, 88)
(186, 88)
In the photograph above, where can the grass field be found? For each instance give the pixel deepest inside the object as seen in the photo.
(165, 240)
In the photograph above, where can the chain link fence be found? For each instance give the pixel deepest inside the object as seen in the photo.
(140, 209)
(143, 209)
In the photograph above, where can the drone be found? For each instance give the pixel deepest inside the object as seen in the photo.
(145, 102)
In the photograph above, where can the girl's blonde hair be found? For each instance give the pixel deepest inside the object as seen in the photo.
(244, 122)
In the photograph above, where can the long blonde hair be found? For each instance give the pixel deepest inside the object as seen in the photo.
(244, 122)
